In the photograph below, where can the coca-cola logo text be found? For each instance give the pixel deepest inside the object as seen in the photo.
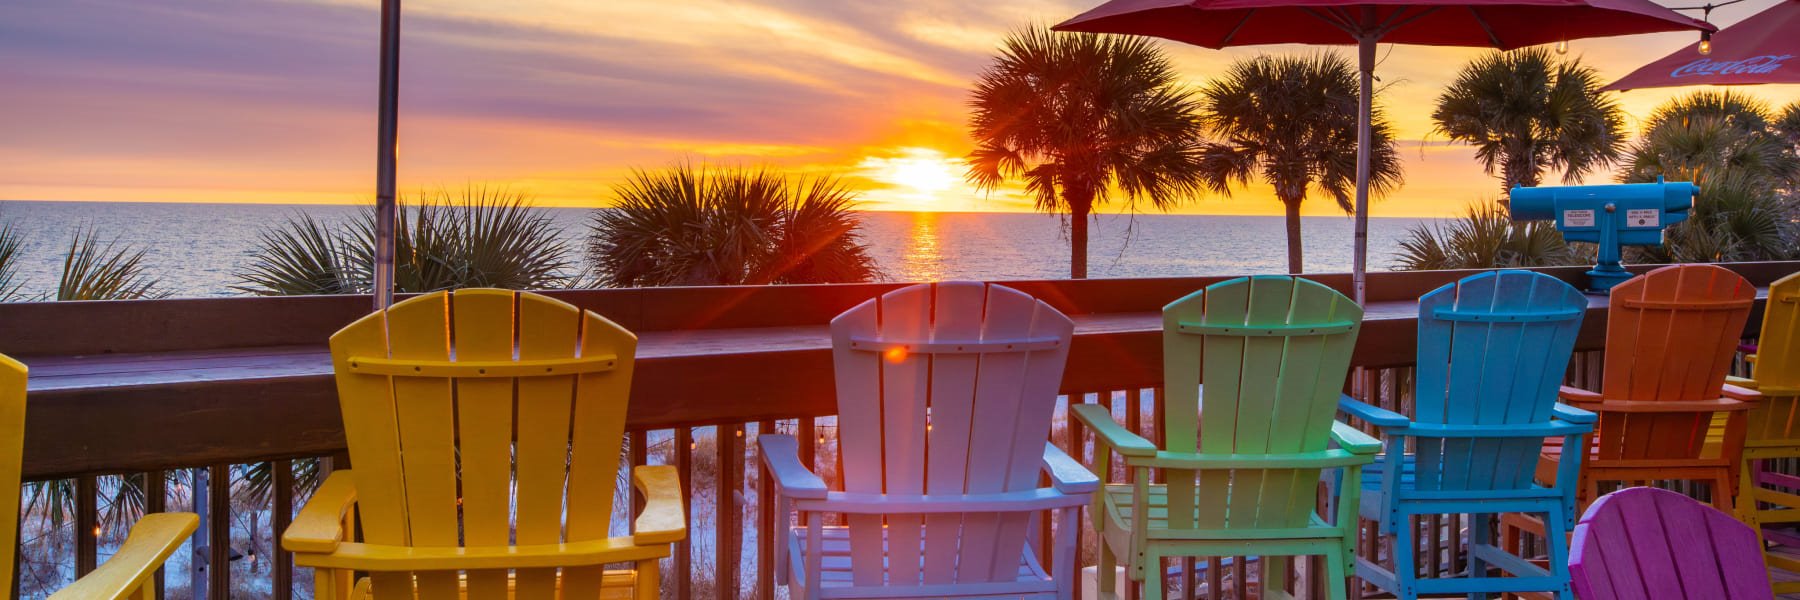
(1755, 65)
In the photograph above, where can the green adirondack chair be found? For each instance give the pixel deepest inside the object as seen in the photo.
(1243, 453)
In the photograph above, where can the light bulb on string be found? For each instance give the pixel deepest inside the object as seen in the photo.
(1705, 43)
(1562, 47)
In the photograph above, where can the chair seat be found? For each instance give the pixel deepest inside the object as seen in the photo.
(1118, 510)
(617, 585)
(835, 565)
(1374, 499)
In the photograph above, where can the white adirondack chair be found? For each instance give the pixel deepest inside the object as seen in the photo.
(945, 397)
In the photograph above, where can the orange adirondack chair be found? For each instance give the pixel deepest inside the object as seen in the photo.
(484, 426)
(1670, 337)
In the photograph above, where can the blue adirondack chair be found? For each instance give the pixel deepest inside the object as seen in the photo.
(1492, 350)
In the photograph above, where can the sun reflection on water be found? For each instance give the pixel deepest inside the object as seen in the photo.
(922, 260)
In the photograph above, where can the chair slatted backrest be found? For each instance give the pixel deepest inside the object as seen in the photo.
(1670, 336)
(1273, 352)
(1644, 542)
(12, 457)
(1493, 348)
(1777, 367)
(463, 409)
(945, 389)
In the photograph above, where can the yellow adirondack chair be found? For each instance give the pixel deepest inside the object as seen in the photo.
(128, 573)
(1768, 501)
(433, 391)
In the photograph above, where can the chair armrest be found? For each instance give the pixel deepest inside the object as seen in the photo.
(386, 558)
(1575, 394)
(1353, 439)
(1743, 382)
(663, 519)
(1564, 412)
(1375, 415)
(151, 541)
(1323, 459)
(1666, 406)
(781, 455)
(1109, 432)
(319, 527)
(1066, 475)
(1740, 393)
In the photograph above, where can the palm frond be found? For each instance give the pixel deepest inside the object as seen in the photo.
(96, 270)
(481, 236)
(10, 241)
(1484, 237)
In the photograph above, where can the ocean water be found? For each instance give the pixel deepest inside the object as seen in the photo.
(196, 249)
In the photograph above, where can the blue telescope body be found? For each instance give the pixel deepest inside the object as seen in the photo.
(1608, 216)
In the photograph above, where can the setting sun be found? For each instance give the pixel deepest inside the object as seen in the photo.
(918, 178)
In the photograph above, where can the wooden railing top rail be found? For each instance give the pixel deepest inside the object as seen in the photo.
(766, 355)
(134, 326)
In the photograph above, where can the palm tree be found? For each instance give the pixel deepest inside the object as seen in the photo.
(1079, 118)
(1291, 122)
(482, 237)
(1528, 111)
(95, 270)
(1730, 145)
(1485, 237)
(688, 225)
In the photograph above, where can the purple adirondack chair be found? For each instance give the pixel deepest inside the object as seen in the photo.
(1656, 544)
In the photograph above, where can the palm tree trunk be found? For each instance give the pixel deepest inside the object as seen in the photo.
(1078, 236)
(1293, 237)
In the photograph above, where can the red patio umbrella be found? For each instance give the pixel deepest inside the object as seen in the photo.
(1759, 49)
(1503, 24)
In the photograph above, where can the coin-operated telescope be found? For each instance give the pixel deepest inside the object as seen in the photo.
(1609, 216)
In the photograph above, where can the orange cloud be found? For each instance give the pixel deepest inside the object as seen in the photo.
(184, 100)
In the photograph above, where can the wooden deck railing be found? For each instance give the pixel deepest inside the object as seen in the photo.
(201, 398)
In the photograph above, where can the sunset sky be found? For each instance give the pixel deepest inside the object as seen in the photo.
(274, 101)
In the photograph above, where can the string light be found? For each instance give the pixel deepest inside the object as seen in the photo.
(1705, 47)
(1562, 47)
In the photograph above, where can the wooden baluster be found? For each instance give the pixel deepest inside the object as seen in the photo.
(283, 580)
(1433, 527)
(1215, 579)
(729, 524)
(766, 532)
(219, 504)
(1240, 576)
(87, 525)
(156, 499)
(1075, 444)
(640, 456)
(684, 464)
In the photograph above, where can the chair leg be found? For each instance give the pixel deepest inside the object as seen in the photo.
(1106, 579)
(1273, 572)
(1480, 534)
(1745, 506)
(649, 580)
(1406, 567)
(1337, 579)
(1722, 492)
(1556, 537)
(1153, 577)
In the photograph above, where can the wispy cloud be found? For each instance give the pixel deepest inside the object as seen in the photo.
(274, 99)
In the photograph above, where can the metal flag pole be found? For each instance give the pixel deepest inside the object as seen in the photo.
(387, 154)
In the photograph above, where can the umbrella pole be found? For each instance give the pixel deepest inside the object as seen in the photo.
(1359, 269)
(387, 153)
